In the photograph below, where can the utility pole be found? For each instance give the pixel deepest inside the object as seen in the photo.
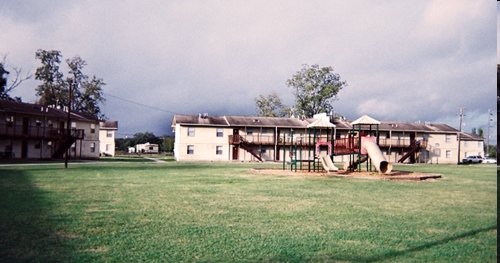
(460, 132)
(488, 138)
(68, 126)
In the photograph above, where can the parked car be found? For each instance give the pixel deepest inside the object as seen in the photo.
(489, 160)
(473, 159)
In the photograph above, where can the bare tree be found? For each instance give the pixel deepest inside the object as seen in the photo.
(5, 86)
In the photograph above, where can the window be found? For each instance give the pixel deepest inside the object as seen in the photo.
(10, 121)
(51, 124)
(92, 147)
(263, 150)
(191, 131)
(108, 147)
(220, 132)
(448, 154)
(38, 144)
(92, 128)
(448, 138)
(190, 149)
(218, 150)
(73, 126)
(73, 148)
(38, 123)
(264, 131)
(250, 131)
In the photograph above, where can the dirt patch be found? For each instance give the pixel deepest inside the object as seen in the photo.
(394, 175)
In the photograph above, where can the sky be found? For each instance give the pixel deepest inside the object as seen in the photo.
(402, 60)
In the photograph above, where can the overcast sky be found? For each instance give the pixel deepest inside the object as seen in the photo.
(403, 60)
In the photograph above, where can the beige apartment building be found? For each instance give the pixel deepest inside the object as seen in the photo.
(107, 135)
(246, 138)
(35, 131)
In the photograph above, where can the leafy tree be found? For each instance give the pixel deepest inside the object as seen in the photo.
(315, 89)
(167, 144)
(270, 106)
(5, 87)
(53, 90)
(86, 93)
(481, 132)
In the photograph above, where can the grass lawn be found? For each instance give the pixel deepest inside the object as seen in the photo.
(223, 212)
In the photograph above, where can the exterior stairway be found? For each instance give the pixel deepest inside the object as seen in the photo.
(65, 143)
(245, 145)
(63, 147)
(414, 148)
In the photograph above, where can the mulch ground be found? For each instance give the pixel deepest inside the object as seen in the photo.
(393, 175)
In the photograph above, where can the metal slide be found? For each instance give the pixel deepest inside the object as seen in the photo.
(371, 148)
(328, 164)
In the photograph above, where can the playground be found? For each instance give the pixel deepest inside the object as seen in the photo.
(365, 159)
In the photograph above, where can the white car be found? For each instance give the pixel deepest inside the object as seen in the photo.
(489, 160)
(473, 159)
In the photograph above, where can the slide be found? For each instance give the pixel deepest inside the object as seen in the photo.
(328, 164)
(370, 147)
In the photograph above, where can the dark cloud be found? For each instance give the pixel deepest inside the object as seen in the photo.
(404, 61)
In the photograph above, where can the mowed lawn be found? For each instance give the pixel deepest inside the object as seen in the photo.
(224, 212)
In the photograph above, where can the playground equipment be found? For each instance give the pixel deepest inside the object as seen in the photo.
(360, 146)
(370, 147)
(328, 164)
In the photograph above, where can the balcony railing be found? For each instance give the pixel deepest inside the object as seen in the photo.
(271, 140)
(37, 132)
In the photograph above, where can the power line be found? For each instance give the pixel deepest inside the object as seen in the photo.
(137, 103)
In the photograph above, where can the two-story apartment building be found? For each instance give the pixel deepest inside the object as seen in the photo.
(35, 131)
(107, 135)
(243, 138)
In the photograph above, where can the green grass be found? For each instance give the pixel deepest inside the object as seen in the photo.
(223, 212)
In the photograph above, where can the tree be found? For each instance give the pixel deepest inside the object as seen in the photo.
(53, 90)
(481, 132)
(5, 87)
(270, 106)
(86, 94)
(315, 89)
(167, 143)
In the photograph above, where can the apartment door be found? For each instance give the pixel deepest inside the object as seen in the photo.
(24, 149)
(26, 123)
(235, 152)
(61, 127)
(277, 152)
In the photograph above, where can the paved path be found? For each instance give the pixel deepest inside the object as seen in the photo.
(153, 159)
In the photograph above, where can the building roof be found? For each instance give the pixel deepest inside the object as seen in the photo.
(40, 110)
(239, 121)
(340, 124)
(465, 136)
(108, 125)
